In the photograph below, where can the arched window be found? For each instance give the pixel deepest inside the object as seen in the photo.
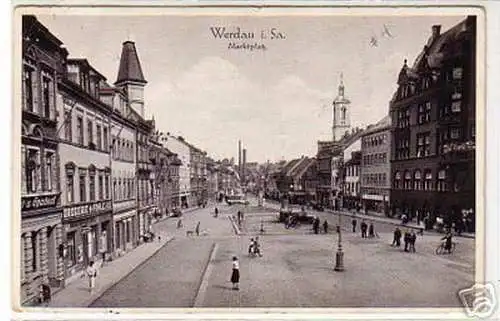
(417, 180)
(343, 114)
(397, 180)
(441, 181)
(407, 181)
(428, 180)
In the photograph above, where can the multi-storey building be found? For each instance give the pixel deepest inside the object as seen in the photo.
(122, 162)
(198, 175)
(352, 186)
(85, 166)
(376, 166)
(178, 146)
(41, 254)
(433, 127)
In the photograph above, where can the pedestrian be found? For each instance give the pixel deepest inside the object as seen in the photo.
(407, 240)
(216, 212)
(197, 229)
(371, 231)
(316, 225)
(354, 223)
(413, 238)
(364, 226)
(261, 226)
(235, 275)
(179, 223)
(92, 275)
(397, 238)
(325, 226)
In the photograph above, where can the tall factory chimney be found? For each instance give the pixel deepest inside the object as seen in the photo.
(239, 158)
(244, 165)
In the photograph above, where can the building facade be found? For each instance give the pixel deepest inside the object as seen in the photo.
(84, 153)
(433, 128)
(376, 167)
(177, 146)
(41, 255)
(352, 185)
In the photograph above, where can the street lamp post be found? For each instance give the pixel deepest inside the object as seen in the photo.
(339, 257)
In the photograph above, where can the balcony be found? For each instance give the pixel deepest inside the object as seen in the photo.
(459, 153)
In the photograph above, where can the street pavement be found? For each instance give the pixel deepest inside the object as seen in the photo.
(296, 269)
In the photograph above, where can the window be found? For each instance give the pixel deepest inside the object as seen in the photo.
(79, 130)
(32, 170)
(457, 73)
(397, 180)
(456, 106)
(67, 125)
(106, 186)
(417, 180)
(83, 192)
(92, 187)
(90, 133)
(455, 133)
(428, 180)
(426, 83)
(115, 192)
(28, 91)
(70, 188)
(423, 145)
(34, 251)
(105, 138)
(49, 158)
(101, 187)
(71, 249)
(46, 95)
(407, 181)
(441, 182)
(99, 137)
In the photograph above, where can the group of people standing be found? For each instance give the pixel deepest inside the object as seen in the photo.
(366, 231)
(410, 238)
(316, 224)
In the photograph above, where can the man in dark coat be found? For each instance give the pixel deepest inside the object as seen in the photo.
(413, 238)
(354, 223)
(364, 227)
(325, 226)
(397, 238)
(371, 231)
(316, 225)
(407, 240)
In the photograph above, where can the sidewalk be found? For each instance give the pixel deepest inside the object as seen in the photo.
(76, 294)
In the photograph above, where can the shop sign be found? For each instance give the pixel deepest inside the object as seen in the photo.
(39, 201)
(88, 209)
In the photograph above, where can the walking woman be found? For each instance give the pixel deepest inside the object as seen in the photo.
(235, 276)
(92, 274)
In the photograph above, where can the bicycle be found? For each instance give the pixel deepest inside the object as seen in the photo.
(441, 248)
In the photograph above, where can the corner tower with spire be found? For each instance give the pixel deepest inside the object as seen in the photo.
(341, 113)
(130, 77)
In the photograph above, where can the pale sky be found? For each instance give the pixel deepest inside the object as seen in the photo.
(278, 101)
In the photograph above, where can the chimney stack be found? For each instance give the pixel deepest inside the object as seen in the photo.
(436, 31)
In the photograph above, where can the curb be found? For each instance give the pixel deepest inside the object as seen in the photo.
(235, 227)
(101, 293)
(202, 287)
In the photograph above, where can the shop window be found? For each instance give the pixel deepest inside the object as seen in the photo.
(71, 249)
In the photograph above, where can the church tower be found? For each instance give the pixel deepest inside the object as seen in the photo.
(130, 77)
(341, 113)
